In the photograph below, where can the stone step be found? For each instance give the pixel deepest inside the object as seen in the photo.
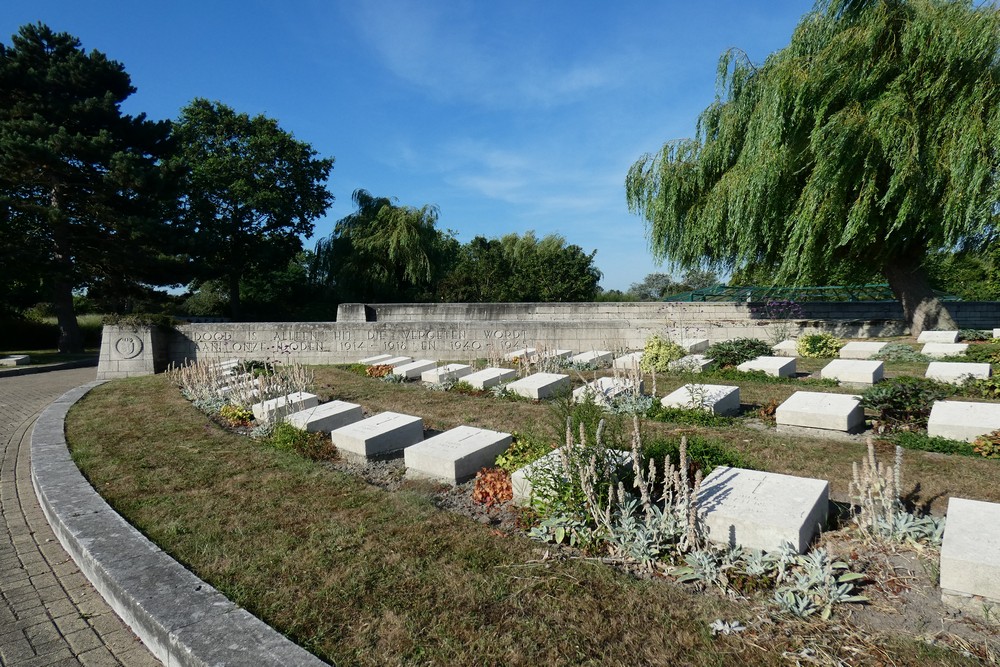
(955, 372)
(861, 350)
(718, 399)
(941, 350)
(855, 372)
(938, 337)
(325, 417)
(762, 510)
(276, 409)
(596, 357)
(963, 420)
(821, 412)
(414, 369)
(970, 557)
(775, 366)
(455, 455)
(489, 377)
(446, 372)
(378, 436)
(539, 385)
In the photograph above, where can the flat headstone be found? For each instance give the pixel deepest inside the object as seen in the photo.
(822, 411)
(523, 354)
(996, 333)
(940, 350)
(454, 456)
(275, 409)
(854, 371)
(552, 354)
(446, 372)
(692, 363)
(394, 361)
(377, 436)
(786, 348)
(970, 556)
(776, 366)
(551, 465)
(762, 510)
(597, 357)
(15, 360)
(414, 369)
(694, 345)
(963, 420)
(955, 372)
(227, 367)
(860, 350)
(603, 390)
(715, 398)
(628, 361)
(489, 377)
(539, 385)
(325, 417)
(376, 360)
(938, 337)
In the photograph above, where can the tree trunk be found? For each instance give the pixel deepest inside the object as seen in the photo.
(922, 310)
(70, 338)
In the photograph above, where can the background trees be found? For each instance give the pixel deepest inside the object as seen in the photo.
(868, 142)
(251, 191)
(83, 199)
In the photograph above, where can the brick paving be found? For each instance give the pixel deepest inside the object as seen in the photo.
(49, 612)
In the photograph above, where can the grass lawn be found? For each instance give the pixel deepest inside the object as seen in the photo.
(360, 575)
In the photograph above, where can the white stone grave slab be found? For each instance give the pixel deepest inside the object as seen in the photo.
(15, 360)
(821, 411)
(523, 354)
(715, 398)
(762, 510)
(596, 357)
(628, 361)
(861, 350)
(539, 385)
(446, 372)
(996, 333)
(955, 372)
(603, 390)
(378, 436)
(551, 354)
(551, 465)
(942, 350)
(456, 455)
(692, 363)
(776, 366)
(376, 360)
(276, 409)
(857, 372)
(414, 369)
(694, 345)
(970, 557)
(489, 377)
(325, 417)
(394, 361)
(938, 337)
(786, 348)
(963, 420)
(227, 367)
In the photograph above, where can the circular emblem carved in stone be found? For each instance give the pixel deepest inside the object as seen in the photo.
(128, 346)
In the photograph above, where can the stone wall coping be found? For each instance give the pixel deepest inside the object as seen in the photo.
(45, 368)
(181, 619)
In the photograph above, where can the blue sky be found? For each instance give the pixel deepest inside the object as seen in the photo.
(510, 116)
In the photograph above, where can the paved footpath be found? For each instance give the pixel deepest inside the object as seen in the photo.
(49, 612)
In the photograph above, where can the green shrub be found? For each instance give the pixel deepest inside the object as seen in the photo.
(734, 352)
(969, 335)
(315, 446)
(704, 454)
(926, 443)
(988, 445)
(900, 352)
(982, 387)
(658, 354)
(357, 369)
(524, 449)
(818, 346)
(984, 353)
(686, 416)
(904, 403)
(236, 415)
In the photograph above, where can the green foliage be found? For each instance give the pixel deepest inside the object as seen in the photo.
(972, 276)
(236, 415)
(900, 352)
(525, 448)
(988, 353)
(658, 353)
(656, 286)
(818, 346)
(734, 352)
(974, 335)
(925, 443)
(702, 453)
(820, 584)
(904, 403)
(982, 387)
(862, 145)
(251, 191)
(988, 445)
(315, 446)
(685, 416)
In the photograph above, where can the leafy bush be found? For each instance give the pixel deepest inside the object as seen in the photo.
(926, 443)
(899, 352)
(969, 335)
(982, 387)
(315, 446)
(702, 454)
(734, 352)
(903, 403)
(492, 487)
(988, 445)
(524, 449)
(988, 353)
(686, 416)
(358, 369)
(236, 415)
(818, 346)
(463, 387)
(659, 352)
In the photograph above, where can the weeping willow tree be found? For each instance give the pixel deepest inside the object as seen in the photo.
(868, 142)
